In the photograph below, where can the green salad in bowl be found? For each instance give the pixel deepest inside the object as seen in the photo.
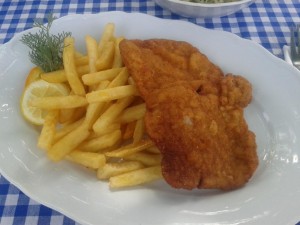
(210, 1)
(204, 8)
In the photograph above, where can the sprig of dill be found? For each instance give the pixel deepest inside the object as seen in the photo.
(46, 48)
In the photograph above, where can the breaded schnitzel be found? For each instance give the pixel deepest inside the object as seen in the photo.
(194, 114)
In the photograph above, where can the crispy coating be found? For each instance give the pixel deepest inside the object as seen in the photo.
(194, 114)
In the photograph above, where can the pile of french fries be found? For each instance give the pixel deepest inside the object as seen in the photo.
(100, 124)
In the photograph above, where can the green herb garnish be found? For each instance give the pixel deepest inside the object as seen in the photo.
(46, 49)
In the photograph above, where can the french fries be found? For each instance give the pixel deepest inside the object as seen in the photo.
(133, 113)
(66, 129)
(88, 159)
(100, 124)
(109, 115)
(110, 94)
(145, 158)
(68, 143)
(106, 58)
(91, 45)
(70, 67)
(136, 177)
(139, 131)
(113, 169)
(48, 131)
(97, 77)
(99, 143)
(117, 58)
(64, 102)
(81, 60)
(130, 149)
(107, 35)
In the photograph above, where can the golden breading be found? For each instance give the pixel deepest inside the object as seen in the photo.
(194, 114)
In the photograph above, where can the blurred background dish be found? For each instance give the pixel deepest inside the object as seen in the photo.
(203, 10)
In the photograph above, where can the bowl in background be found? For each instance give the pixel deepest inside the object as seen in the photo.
(203, 10)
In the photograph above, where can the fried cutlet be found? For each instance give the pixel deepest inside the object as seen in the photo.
(194, 114)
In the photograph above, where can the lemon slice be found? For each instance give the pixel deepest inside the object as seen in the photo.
(37, 89)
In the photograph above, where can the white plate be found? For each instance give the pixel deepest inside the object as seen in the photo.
(271, 197)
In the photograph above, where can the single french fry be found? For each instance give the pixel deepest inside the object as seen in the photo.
(107, 35)
(121, 79)
(115, 146)
(59, 102)
(58, 76)
(96, 78)
(67, 129)
(130, 149)
(112, 127)
(91, 46)
(139, 131)
(145, 158)
(113, 169)
(88, 159)
(106, 57)
(94, 109)
(65, 115)
(79, 113)
(110, 94)
(84, 69)
(70, 67)
(133, 113)
(82, 60)
(117, 63)
(68, 143)
(46, 137)
(136, 177)
(129, 130)
(111, 114)
(100, 143)
(153, 150)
